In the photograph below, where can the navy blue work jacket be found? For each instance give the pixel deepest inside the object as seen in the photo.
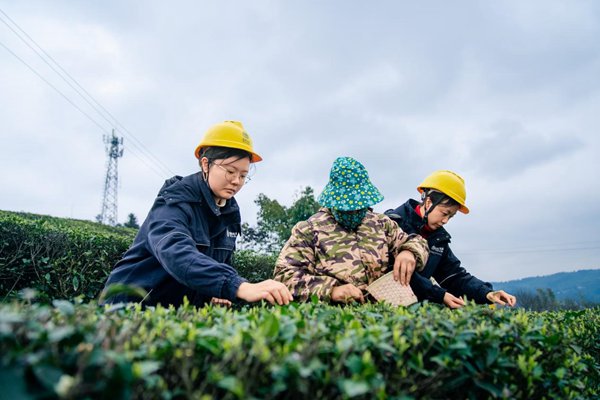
(442, 264)
(184, 247)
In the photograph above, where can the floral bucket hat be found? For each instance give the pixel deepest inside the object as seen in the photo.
(349, 187)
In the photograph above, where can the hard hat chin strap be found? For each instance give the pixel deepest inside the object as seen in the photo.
(426, 193)
(204, 173)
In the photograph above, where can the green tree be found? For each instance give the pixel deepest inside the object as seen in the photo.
(545, 300)
(132, 221)
(275, 221)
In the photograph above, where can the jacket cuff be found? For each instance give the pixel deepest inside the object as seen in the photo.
(482, 296)
(421, 260)
(231, 286)
(437, 294)
(323, 290)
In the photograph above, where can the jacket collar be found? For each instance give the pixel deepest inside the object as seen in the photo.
(193, 189)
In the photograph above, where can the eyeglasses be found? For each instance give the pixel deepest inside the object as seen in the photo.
(232, 175)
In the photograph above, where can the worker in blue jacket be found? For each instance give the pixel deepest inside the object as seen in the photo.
(443, 194)
(185, 245)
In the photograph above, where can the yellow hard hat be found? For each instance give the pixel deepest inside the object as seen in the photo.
(228, 134)
(449, 183)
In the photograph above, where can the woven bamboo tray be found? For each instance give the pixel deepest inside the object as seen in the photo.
(391, 291)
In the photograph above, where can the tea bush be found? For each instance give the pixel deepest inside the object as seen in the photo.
(254, 266)
(298, 351)
(61, 258)
(64, 258)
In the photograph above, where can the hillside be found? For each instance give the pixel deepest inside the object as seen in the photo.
(565, 285)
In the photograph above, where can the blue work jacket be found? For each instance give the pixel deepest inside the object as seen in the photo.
(183, 248)
(442, 263)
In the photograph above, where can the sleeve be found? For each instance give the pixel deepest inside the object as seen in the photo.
(454, 278)
(295, 266)
(425, 290)
(171, 242)
(398, 241)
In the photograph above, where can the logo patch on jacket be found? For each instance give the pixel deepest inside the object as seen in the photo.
(438, 251)
(232, 234)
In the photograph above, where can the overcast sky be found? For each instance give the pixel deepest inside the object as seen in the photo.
(505, 93)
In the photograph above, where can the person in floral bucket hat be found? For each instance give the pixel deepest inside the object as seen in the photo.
(349, 192)
(346, 246)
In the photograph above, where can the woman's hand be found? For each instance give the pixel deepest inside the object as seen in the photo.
(502, 298)
(269, 290)
(346, 293)
(220, 302)
(452, 301)
(404, 266)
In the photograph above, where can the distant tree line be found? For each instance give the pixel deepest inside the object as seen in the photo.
(132, 221)
(545, 300)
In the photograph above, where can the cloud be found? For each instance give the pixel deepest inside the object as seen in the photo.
(508, 149)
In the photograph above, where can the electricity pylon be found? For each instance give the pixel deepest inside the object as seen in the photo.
(114, 150)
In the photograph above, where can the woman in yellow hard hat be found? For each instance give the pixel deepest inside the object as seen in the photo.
(185, 245)
(443, 194)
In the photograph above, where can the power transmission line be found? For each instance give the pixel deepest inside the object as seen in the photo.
(53, 87)
(101, 110)
(104, 129)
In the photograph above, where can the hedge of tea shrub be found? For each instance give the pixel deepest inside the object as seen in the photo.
(64, 258)
(374, 351)
(60, 258)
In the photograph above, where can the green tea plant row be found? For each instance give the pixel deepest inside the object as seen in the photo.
(60, 258)
(71, 350)
(65, 258)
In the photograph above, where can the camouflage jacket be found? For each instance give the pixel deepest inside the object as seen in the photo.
(321, 254)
